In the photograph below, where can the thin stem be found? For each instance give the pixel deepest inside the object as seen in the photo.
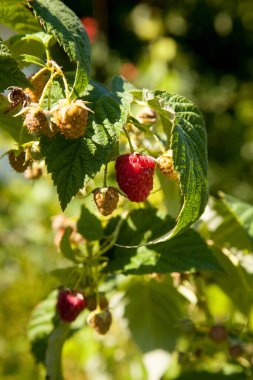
(48, 54)
(129, 140)
(156, 137)
(46, 87)
(66, 88)
(38, 73)
(105, 176)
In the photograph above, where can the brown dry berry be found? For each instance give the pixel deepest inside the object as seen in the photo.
(165, 164)
(92, 302)
(37, 121)
(218, 333)
(17, 96)
(236, 351)
(100, 320)
(106, 199)
(147, 116)
(38, 85)
(70, 118)
(18, 160)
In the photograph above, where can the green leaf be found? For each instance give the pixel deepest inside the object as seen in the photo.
(89, 225)
(12, 125)
(69, 276)
(57, 19)
(242, 212)
(41, 325)
(14, 14)
(10, 75)
(41, 37)
(66, 248)
(153, 321)
(73, 162)
(187, 252)
(31, 59)
(189, 144)
(53, 94)
(227, 224)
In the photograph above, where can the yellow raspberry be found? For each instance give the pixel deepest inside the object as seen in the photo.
(106, 200)
(38, 85)
(71, 119)
(165, 164)
(37, 121)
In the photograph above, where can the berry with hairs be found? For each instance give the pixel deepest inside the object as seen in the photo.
(106, 199)
(134, 174)
(70, 304)
(37, 121)
(71, 119)
(100, 320)
(165, 164)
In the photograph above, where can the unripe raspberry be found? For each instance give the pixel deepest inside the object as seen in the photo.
(38, 85)
(92, 302)
(70, 304)
(165, 164)
(18, 160)
(71, 118)
(106, 199)
(147, 116)
(218, 333)
(37, 121)
(134, 174)
(100, 320)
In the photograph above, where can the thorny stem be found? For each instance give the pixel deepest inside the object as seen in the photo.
(129, 140)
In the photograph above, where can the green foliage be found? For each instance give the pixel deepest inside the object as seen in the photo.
(154, 315)
(184, 253)
(89, 225)
(10, 73)
(189, 144)
(74, 162)
(64, 25)
(14, 14)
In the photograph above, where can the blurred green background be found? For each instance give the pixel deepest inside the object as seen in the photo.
(202, 49)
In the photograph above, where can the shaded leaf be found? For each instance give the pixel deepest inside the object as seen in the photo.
(188, 252)
(14, 14)
(66, 248)
(10, 75)
(89, 226)
(153, 321)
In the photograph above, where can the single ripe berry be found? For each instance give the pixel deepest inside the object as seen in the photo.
(165, 164)
(37, 121)
(134, 174)
(70, 118)
(106, 199)
(70, 304)
(218, 333)
(18, 160)
(100, 320)
(38, 85)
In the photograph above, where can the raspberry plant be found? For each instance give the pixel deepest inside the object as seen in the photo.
(63, 122)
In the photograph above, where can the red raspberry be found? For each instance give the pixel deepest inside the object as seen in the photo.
(70, 304)
(134, 174)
